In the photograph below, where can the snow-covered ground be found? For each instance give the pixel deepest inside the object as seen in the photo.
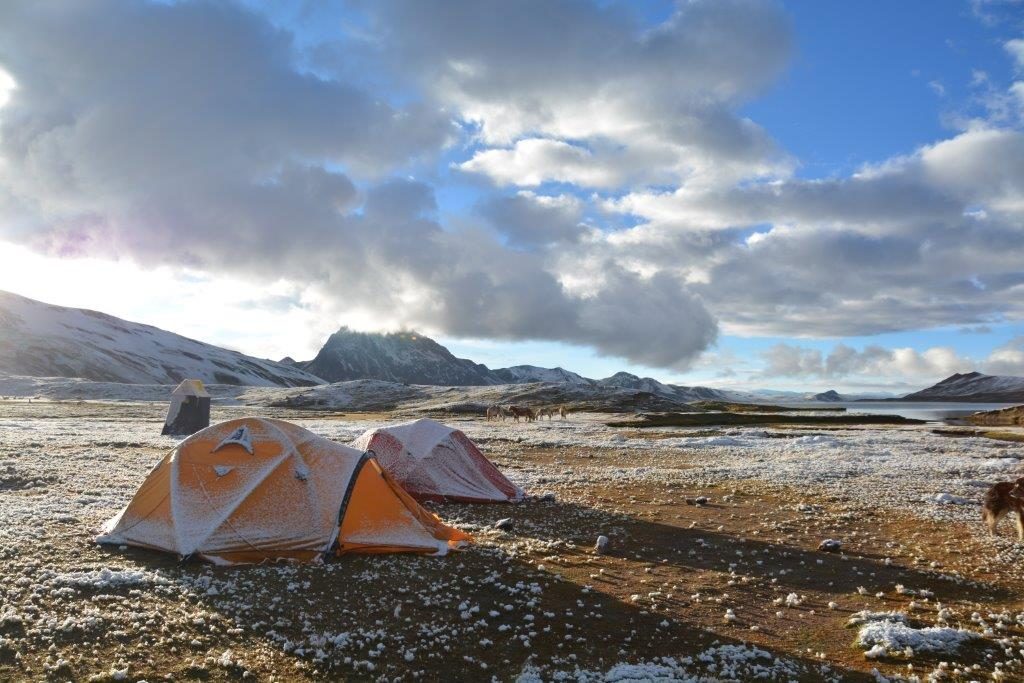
(66, 467)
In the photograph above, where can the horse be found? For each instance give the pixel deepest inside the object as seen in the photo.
(522, 411)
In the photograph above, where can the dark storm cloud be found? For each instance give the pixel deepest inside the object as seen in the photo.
(528, 221)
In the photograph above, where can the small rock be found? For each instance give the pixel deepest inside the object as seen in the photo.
(504, 524)
(601, 547)
(830, 545)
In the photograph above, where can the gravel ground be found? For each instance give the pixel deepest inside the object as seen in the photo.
(732, 588)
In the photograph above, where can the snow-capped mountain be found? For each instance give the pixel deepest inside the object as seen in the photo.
(412, 358)
(624, 380)
(522, 374)
(41, 340)
(403, 357)
(973, 387)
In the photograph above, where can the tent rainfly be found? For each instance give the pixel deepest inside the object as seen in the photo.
(436, 462)
(190, 409)
(253, 490)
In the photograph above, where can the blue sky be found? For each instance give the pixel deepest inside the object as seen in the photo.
(864, 85)
(858, 90)
(794, 194)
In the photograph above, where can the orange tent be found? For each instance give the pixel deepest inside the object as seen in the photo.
(254, 489)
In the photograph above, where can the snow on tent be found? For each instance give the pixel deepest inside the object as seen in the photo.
(435, 462)
(189, 411)
(253, 489)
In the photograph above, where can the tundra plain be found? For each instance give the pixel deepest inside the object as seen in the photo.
(712, 570)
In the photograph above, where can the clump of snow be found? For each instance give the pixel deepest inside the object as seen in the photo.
(738, 662)
(889, 634)
(866, 616)
(950, 499)
(815, 440)
(717, 441)
(107, 578)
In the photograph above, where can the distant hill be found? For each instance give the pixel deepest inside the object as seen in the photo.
(973, 387)
(521, 374)
(830, 396)
(403, 357)
(41, 340)
(413, 358)
(624, 380)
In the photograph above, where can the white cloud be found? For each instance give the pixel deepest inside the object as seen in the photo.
(582, 93)
(881, 365)
(1007, 359)
(535, 161)
(1016, 49)
(785, 360)
(195, 141)
(202, 140)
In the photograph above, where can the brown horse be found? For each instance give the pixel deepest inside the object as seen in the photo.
(522, 411)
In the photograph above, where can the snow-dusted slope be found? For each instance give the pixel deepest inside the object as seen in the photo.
(973, 386)
(624, 380)
(521, 374)
(42, 340)
(412, 358)
(371, 394)
(404, 357)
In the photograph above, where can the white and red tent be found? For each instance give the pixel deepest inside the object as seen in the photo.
(436, 462)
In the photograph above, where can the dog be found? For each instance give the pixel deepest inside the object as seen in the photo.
(1000, 499)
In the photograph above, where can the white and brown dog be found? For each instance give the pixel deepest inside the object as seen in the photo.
(1002, 498)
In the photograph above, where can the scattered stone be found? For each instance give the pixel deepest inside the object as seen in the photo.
(830, 545)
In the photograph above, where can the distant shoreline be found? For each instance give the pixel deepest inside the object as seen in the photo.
(975, 398)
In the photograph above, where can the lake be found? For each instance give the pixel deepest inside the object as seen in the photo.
(919, 410)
